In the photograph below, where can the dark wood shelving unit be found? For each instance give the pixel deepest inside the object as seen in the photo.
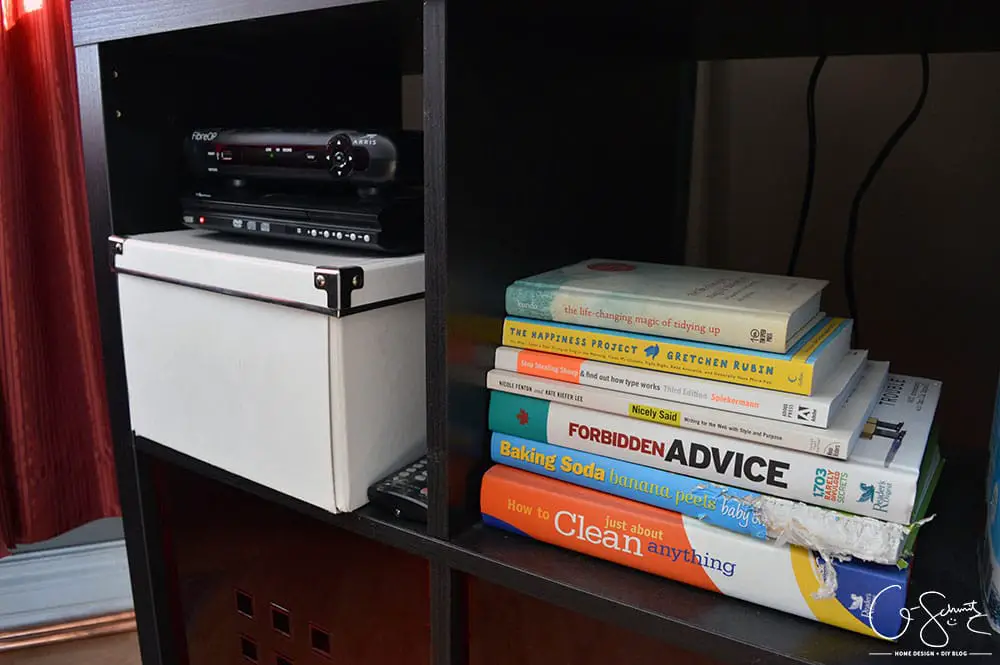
(532, 113)
(369, 521)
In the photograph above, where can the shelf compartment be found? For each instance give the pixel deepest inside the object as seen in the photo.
(729, 629)
(369, 521)
(344, 67)
(320, 593)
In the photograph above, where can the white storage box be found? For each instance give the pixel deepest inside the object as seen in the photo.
(299, 370)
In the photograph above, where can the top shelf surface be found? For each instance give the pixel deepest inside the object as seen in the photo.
(698, 29)
(97, 21)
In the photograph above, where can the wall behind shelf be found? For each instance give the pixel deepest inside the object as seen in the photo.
(927, 245)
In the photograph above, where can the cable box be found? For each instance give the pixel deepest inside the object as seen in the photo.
(387, 225)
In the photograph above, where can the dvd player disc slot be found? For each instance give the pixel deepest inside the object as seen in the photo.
(336, 234)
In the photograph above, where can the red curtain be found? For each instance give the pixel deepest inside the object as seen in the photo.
(56, 464)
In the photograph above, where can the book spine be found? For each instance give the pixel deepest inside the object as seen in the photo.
(865, 598)
(859, 489)
(792, 374)
(989, 557)
(719, 505)
(831, 533)
(767, 331)
(749, 401)
(747, 428)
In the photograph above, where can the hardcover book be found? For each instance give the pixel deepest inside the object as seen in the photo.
(863, 597)
(803, 369)
(726, 307)
(829, 532)
(837, 441)
(880, 479)
(816, 410)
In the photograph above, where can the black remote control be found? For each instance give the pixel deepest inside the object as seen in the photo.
(404, 492)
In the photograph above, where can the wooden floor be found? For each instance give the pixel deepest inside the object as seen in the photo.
(121, 649)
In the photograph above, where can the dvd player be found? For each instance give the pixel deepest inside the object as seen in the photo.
(383, 225)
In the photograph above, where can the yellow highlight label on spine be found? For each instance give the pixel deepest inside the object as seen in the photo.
(654, 414)
(789, 374)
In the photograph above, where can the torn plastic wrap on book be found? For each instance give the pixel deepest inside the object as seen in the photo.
(831, 533)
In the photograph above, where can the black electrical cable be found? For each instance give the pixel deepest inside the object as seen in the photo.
(810, 163)
(883, 155)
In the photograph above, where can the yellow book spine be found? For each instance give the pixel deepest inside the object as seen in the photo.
(790, 374)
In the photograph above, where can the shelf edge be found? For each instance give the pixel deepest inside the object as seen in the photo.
(96, 21)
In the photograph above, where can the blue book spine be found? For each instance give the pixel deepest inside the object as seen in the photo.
(727, 507)
(990, 555)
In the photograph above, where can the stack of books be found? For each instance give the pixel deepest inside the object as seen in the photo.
(715, 428)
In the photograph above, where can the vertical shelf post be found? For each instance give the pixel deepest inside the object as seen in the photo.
(136, 494)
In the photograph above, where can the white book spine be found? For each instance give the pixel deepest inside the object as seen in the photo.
(830, 443)
(745, 310)
(746, 400)
(732, 326)
(779, 472)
